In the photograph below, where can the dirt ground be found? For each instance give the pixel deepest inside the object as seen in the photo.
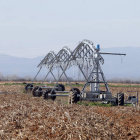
(24, 117)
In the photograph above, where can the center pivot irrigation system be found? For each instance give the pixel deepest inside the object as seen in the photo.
(84, 54)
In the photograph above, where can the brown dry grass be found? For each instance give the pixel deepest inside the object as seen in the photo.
(25, 117)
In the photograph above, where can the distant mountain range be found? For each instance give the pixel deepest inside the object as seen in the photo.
(122, 66)
(115, 66)
(10, 65)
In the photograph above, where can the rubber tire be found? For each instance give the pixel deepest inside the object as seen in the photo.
(120, 98)
(133, 96)
(129, 98)
(45, 94)
(77, 92)
(37, 94)
(53, 97)
(62, 87)
(73, 99)
(29, 85)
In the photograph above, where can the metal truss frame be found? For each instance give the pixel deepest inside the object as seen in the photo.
(57, 62)
(86, 53)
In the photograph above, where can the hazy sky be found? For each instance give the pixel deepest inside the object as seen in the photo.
(30, 28)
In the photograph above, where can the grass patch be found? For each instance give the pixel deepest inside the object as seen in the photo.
(24, 91)
(74, 85)
(100, 104)
(9, 84)
(95, 104)
(127, 104)
(81, 85)
(136, 86)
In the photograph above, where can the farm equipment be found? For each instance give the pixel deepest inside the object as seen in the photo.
(87, 53)
(51, 55)
(39, 90)
(84, 54)
(56, 62)
(132, 99)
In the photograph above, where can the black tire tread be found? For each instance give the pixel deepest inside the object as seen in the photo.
(62, 87)
(28, 89)
(53, 97)
(45, 95)
(39, 94)
(120, 98)
(72, 99)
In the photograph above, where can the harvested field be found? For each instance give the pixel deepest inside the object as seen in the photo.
(25, 117)
(114, 88)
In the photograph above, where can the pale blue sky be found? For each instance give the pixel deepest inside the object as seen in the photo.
(31, 28)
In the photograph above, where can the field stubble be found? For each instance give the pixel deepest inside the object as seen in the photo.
(25, 117)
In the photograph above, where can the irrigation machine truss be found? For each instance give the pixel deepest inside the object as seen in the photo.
(52, 61)
(46, 60)
(87, 53)
(39, 90)
(84, 54)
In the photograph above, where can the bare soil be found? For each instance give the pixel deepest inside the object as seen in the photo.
(24, 117)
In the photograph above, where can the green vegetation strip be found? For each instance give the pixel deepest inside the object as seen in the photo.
(99, 104)
(74, 85)
(137, 86)
(95, 104)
